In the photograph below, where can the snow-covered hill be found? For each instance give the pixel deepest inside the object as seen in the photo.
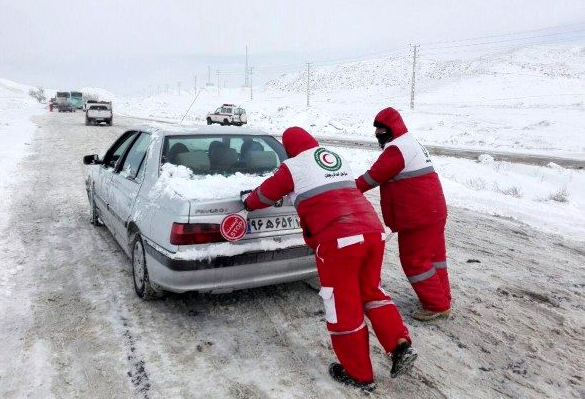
(394, 72)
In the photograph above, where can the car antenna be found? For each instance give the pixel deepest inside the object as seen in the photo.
(188, 109)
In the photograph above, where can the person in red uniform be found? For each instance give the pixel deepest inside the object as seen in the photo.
(413, 205)
(343, 229)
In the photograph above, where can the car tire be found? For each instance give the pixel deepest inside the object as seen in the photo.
(142, 286)
(209, 121)
(94, 217)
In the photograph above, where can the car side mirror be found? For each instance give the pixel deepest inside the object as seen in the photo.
(92, 160)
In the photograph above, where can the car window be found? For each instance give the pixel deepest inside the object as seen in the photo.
(135, 156)
(117, 150)
(224, 154)
(218, 111)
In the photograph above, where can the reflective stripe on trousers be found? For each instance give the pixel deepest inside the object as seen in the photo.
(428, 274)
(350, 331)
(377, 304)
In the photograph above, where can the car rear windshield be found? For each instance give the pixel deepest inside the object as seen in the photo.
(98, 108)
(224, 154)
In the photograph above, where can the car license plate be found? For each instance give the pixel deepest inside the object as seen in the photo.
(274, 223)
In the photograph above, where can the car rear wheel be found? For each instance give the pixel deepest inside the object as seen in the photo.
(144, 289)
(209, 121)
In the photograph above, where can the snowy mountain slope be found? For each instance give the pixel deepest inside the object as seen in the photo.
(395, 72)
(9, 88)
(528, 100)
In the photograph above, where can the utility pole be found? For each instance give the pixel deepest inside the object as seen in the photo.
(251, 87)
(179, 87)
(246, 70)
(218, 82)
(308, 83)
(195, 83)
(416, 46)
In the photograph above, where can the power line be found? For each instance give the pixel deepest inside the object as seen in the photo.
(507, 40)
(503, 34)
(501, 48)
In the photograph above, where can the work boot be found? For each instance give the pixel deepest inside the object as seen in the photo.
(428, 315)
(338, 373)
(403, 359)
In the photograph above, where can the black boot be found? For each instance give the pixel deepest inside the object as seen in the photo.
(338, 373)
(403, 359)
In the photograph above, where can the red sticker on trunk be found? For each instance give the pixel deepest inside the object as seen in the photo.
(233, 227)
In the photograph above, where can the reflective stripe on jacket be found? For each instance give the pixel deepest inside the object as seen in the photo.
(321, 186)
(411, 195)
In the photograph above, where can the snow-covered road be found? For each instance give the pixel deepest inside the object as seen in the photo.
(73, 327)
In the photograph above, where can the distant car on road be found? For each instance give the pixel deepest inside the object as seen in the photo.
(228, 114)
(163, 231)
(99, 112)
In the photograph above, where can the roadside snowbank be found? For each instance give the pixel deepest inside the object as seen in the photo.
(549, 198)
(16, 129)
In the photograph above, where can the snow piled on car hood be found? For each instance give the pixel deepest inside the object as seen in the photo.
(180, 181)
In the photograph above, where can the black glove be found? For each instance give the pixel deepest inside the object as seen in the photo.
(243, 196)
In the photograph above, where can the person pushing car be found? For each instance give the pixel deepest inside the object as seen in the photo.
(343, 229)
(413, 205)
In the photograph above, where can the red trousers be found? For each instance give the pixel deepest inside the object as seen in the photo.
(424, 260)
(349, 269)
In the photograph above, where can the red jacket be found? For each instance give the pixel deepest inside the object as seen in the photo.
(322, 189)
(411, 195)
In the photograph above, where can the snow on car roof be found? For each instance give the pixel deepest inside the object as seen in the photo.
(167, 129)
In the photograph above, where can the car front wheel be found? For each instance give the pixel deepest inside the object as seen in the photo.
(144, 289)
(94, 216)
(209, 121)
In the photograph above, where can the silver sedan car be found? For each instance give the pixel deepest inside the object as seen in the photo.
(152, 191)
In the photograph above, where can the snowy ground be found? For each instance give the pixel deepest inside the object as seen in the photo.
(73, 327)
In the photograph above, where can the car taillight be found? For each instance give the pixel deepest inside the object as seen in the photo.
(195, 233)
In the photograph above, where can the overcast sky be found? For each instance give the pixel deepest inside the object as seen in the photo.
(38, 36)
